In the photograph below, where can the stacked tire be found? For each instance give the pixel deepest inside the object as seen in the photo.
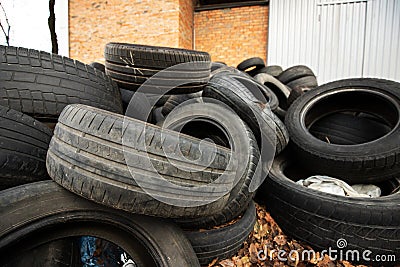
(131, 65)
(37, 88)
(348, 130)
(172, 182)
(120, 173)
(287, 84)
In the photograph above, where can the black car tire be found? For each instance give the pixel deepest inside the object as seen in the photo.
(223, 242)
(41, 212)
(118, 161)
(233, 93)
(374, 161)
(324, 220)
(294, 73)
(41, 84)
(223, 126)
(254, 62)
(131, 65)
(23, 147)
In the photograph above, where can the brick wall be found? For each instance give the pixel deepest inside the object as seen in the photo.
(93, 23)
(232, 34)
(186, 21)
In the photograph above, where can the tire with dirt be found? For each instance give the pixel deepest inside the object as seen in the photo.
(126, 96)
(110, 159)
(305, 83)
(259, 118)
(348, 129)
(294, 73)
(373, 161)
(254, 89)
(156, 116)
(222, 242)
(131, 65)
(322, 220)
(223, 126)
(280, 90)
(42, 212)
(217, 65)
(58, 253)
(175, 100)
(23, 147)
(272, 70)
(294, 94)
(98, 66)
(226, 69)
(253, 63)
(41, 84)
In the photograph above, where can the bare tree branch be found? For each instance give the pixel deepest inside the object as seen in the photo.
(52, 27)
(6, 34)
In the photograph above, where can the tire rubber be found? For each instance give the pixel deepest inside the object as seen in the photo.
(305, 83)
(254, 62)
(294, 73)
(23, 147)
(87, 156)
(130, 65)
(231, 128)
(40, 84)
(233, 93)
(41, 212)
(223, 242)
(321, 219)
(98, 66)
(373, 161)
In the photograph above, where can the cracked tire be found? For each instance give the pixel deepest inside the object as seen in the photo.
(41, 212)
(41, 84)
(86, 156)
(321, 219)
(131, 65)
(372, 161)
(23, 147)
(223, 242)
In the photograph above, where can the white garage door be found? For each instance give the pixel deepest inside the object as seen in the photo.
(336, 38)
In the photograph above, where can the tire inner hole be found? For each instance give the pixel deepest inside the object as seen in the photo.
(202, 129)
(351, 118)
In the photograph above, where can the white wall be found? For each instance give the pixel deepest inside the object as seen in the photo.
(29, 28)
(336, 38)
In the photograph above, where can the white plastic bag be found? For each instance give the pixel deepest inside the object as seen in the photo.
(338, 187)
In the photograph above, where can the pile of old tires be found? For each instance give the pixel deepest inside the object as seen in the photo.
(172, 182)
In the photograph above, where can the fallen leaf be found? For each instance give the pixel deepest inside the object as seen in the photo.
(280, 240)
(213, 262)
(227, 263)
(326, 262)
